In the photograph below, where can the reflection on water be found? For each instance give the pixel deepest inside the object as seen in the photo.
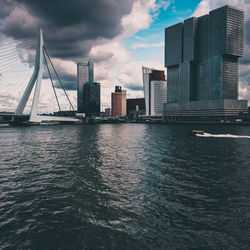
(124, 186)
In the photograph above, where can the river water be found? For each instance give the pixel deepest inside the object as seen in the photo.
(124, 186)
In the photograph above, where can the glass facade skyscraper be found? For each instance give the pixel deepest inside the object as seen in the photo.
(201, 56)
(88, 91)
(92, 98)
(85, 73)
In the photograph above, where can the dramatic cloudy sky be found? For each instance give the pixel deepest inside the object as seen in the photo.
(119, 36)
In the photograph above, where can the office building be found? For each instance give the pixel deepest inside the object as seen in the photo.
(155, 91)
(201, 56)
(85, 73)
(91, 97)
(118, 102)
(135, 107)
(135, 104)
(88, 91)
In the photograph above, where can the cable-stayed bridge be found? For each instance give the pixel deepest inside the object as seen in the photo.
(10, 60)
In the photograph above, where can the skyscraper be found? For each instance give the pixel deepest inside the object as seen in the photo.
(91, 98)
(88, 91)
(85, 73)
(155, 90)
(118, 102)
(201, 55)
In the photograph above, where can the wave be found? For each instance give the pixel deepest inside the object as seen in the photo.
(223, 135)
(4, 125)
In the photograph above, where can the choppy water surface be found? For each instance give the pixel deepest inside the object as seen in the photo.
(124, 186)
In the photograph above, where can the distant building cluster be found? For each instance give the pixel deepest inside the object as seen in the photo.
(201, 57)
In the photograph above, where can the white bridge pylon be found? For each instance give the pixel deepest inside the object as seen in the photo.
(36, 79)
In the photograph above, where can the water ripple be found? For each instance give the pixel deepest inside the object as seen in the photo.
(126, 186)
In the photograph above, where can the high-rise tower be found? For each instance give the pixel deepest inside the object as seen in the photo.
(85, 73)
(155, 90)
(201, 55)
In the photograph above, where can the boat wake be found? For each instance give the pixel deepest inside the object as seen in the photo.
(4, 125)
(222, 135)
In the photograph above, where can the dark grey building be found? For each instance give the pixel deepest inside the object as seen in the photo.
(135, 107)
(92, 98)
(88, 91)
(201, 56)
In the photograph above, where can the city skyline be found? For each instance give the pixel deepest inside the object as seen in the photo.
(124, 124)
(119, 57)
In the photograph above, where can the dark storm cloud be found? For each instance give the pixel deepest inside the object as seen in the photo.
(247, 31)
(67, 84)
(70, 27)
(5, 7)
(69, 81)
(245, 76)
(245, 60)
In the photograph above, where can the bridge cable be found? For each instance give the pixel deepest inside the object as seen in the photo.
(9, 67)
(19, 81)
(6, 65)
(51, 81)
(16, 43)
(11, 58)
(25, 47)
(59, 79)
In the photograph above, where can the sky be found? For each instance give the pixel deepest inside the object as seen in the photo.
(119, 36)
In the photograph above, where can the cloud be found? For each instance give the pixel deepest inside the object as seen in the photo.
(244, 90)
(79, 30)
(116, 69)
(67, 71)
(8, 101)
(146, 45)
(6, 7)
(131, 74)
(71, 28)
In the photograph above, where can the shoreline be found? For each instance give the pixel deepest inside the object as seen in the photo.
(144, 122)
